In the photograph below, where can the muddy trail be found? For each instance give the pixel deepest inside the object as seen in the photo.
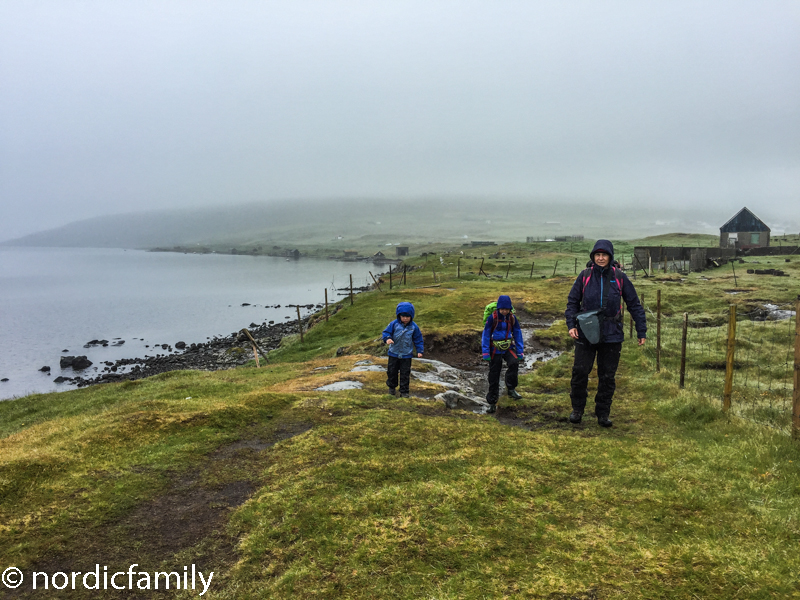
(183, 524)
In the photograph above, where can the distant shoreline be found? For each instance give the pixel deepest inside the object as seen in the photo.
(278, 252)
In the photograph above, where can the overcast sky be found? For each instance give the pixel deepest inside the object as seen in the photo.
(117, 106)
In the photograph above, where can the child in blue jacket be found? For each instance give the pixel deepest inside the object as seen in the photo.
(404, 339)
(502, 341)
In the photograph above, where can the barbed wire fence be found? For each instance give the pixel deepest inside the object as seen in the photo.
(747, 360)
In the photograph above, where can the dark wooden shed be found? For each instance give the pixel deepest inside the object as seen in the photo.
(743, 231)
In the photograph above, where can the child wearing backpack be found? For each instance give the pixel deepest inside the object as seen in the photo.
(404, 339)
(502, 341)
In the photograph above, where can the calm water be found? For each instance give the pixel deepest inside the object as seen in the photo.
(53, 299)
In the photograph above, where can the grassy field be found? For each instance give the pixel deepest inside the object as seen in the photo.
(287, 492)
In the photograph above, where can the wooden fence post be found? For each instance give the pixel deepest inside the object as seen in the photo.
(554, 269)
(658, 331)
(434, 274)
(255, 346)
(796, 396)
(351, 289)
(326, 304)
(390, 277)
(532, 264)
(728, 390)
(458, 267)
(683, 347)
(299, 323)
(508, 269)
(576, 266)
(404, 274)
(376, 281)
(735, 284)
(480, 269)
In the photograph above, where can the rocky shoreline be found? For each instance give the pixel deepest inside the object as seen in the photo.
(220, 352)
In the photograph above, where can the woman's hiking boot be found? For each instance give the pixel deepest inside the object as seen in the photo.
(492, 409)
(404, 394)
(514, 394)
(391, 391)
(575, 416)
(603, 421)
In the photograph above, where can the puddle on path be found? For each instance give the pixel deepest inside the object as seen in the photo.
(339, 386)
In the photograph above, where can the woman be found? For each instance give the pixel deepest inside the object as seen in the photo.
(600, 287)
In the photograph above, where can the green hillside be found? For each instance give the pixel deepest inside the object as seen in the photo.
(287, 492)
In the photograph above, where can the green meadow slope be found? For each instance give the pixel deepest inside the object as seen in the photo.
(287, 492)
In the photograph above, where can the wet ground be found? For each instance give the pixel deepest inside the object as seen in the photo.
(455, 363)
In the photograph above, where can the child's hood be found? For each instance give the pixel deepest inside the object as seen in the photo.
(405, 307)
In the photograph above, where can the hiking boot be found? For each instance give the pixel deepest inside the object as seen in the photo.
(391, 392)
(404, 394)
(514, 394)
(603, 421)
(492, 409)
(575, 416)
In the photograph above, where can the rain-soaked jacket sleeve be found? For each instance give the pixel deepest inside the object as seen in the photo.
(419, 344)
(574, 304)
(486, 338)
(388, 332)
(517, 331)
(635, 307)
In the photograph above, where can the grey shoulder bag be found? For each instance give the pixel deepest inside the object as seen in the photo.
(590, 321)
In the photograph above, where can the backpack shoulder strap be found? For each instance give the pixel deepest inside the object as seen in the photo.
(586, 274)
(509, 323)
(619, 281)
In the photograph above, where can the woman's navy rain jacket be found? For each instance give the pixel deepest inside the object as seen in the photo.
(587, 298)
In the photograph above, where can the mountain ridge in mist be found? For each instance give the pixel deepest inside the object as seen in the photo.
(304, 222)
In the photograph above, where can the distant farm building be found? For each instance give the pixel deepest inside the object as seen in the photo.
(476, 244)
(744, 231)
(401, 250)
(678, 258)
(350, 253)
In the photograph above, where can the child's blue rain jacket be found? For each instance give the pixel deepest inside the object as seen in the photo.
(407, 338)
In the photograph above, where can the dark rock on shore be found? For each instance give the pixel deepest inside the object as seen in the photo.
(4, 379)
(76, 362)
(45, 369)
(60, 379)
(80, 363)
(220, 352)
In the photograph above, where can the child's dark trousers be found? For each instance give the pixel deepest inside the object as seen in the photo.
(401, 367)
(495, 366)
